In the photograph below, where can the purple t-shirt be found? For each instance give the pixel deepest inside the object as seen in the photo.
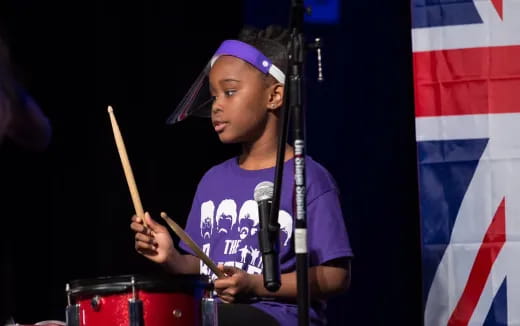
(224, 222)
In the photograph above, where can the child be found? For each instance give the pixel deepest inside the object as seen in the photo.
(247, 91)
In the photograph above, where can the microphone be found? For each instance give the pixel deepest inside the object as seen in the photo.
(269, 237)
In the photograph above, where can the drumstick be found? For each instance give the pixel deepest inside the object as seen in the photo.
(139, 211)
(186, 238)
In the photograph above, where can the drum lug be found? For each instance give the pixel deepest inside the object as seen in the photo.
(96, 303)
(72, 310)
(209, 312)
(135, 308)
(177, 313)
(72, 315)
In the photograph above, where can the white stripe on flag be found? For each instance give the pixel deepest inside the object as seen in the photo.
(492, 32)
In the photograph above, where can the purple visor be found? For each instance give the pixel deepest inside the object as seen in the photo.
(197, 101)
(249, 54)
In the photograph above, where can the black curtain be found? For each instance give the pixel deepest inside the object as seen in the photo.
(67, 209)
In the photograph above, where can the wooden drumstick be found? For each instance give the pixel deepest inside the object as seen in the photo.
(186, 238)
(139, 211)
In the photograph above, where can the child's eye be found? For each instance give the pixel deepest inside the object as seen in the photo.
(213, 98)
(230, 92)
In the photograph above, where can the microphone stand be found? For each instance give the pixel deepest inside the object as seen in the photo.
(293, 104)
(296, 56)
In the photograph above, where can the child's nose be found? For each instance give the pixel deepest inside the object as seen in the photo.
(215, 107)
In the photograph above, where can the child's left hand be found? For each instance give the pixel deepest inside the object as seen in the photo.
(237, 286)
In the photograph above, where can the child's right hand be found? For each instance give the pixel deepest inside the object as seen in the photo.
(152, 241)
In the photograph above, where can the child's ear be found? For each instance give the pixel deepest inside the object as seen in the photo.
(276, 96)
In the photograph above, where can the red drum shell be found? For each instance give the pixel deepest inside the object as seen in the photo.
(165, 301)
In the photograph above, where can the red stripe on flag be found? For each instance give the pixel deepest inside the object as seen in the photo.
(499, 7)
(467, 81)
(493, 242)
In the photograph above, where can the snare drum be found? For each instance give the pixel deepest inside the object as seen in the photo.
(136, 300)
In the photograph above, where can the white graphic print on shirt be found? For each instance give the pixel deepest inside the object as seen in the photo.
(238, 233)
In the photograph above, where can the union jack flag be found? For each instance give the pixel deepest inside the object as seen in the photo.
(466, 56)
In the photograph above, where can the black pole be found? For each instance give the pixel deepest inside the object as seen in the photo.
(280, 159)
(296, 55)
(294, 105)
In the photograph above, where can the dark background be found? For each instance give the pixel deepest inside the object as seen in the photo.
(66, 211)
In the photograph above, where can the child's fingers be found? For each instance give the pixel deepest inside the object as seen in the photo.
(144, 238)
(226, 298)
(224, 283)
(152, 225)
(226, 295)
(138, 227)
(144, 245)
(137, 219)
(229, 270)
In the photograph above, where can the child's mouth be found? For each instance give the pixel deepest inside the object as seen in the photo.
(219, 126)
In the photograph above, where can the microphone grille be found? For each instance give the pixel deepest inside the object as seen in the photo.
(264, 190)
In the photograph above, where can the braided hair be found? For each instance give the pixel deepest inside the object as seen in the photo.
(271, 41)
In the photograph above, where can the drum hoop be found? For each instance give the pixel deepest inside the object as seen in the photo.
(118, 284)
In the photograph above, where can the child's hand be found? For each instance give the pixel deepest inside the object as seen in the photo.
(154, 242)
(237, 286)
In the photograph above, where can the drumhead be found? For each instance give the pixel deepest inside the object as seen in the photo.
(123, 283)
